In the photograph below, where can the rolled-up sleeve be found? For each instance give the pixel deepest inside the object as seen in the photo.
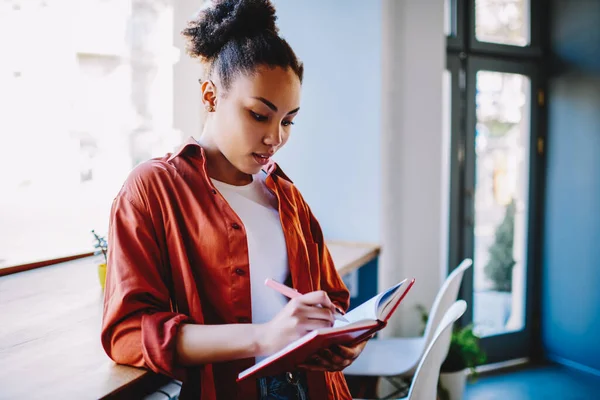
(139, 327)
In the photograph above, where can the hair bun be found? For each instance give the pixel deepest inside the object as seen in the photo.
(223, 20)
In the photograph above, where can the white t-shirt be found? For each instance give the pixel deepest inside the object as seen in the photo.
(256, 206)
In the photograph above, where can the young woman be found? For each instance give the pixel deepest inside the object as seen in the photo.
(194, 234)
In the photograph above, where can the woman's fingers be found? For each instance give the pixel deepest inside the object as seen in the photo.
(335, 358)
(317, 298)
(313, 367)
(314, 324)
(322, 314)
(348, 353)
(319, 363)
(302, 314)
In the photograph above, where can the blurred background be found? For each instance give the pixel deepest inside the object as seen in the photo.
(439, 129)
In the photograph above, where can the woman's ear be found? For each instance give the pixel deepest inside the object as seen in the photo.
(209, 95)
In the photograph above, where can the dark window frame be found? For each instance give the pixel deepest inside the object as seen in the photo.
(464, 56)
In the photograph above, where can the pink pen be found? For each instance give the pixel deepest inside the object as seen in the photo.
(291, 293)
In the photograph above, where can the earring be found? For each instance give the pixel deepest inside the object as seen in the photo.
(209, 108)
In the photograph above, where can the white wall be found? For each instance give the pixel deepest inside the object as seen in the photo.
(333, 154)
(413, 153)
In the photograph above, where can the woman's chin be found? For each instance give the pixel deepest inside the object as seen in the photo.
(249, 169)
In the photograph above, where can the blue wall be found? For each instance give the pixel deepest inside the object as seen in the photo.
(333, 154)
(571, 254)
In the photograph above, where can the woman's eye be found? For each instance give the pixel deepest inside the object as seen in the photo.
(258, 117)
(287, 123)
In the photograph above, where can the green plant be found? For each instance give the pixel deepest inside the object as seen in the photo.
(464, 352)
(500, 265)
(101, 245)
(424, 316)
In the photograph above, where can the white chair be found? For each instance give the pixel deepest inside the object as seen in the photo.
(397, 358)
(425, 381)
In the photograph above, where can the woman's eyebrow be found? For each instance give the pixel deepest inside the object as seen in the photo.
(272, 106)
(267, 103)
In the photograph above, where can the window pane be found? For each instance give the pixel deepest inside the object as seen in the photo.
(82, 103)
(501, 201)
(503, 21)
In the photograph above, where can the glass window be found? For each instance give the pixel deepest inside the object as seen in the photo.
(502, 21)
(86, 95)
(501, 201)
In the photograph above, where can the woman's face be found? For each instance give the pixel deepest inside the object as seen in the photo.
(253, 119)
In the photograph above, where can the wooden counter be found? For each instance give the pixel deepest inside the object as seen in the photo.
(349, 257)
(50, 331)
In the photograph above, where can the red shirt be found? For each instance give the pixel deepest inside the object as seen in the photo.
(178, 254)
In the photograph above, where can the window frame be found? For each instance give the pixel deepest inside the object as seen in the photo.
(13, 269)
(532, 50)
(464, 40)
(464, 57)
(456, 40)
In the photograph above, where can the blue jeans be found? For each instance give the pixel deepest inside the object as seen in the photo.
(285, 386)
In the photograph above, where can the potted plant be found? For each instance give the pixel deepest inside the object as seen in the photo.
(101, 247)
(463, 356)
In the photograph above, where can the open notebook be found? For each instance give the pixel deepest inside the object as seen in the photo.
(363, 321)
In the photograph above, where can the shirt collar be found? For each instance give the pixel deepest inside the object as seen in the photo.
(272, 168)
(185, 147)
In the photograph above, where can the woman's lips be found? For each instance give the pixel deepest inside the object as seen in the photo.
(262, 159)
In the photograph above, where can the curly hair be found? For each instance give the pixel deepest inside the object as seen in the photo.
(237, 36)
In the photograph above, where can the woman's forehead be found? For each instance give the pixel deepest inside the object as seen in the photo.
(276, 83)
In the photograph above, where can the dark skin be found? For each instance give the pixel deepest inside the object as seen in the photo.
(254, 116)
(336, 358)
(247, 124)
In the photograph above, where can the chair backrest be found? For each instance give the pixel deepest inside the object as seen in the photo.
(424, 384)
(445, 297)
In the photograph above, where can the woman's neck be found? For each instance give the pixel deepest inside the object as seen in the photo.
(218, 166)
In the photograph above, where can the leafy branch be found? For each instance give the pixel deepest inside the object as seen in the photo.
(101, 245)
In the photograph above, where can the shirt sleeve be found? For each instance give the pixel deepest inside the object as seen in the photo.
(139, 327)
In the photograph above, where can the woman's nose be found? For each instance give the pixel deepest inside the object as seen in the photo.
(273, 138)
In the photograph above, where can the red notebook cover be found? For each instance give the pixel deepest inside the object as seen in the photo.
(302, 349)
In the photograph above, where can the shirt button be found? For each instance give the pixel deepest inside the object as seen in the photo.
(243, 320)
(235, 225)
(214, 191)
(240, 271)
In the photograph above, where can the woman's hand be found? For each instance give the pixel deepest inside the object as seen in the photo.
(336, 358)
(301, 315)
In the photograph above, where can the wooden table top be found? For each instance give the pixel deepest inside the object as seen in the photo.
(50, 331)
(351, 256)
